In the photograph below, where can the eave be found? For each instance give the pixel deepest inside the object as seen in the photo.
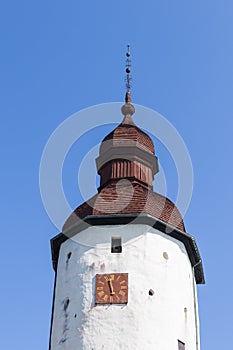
(123, 219)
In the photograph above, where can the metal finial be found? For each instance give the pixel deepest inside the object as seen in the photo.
(128, 109)
(128, 69)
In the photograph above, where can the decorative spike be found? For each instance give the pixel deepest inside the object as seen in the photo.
(128, 109)
(128, 70)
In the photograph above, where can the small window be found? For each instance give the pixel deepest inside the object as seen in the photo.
(116, 246)
(181, 345)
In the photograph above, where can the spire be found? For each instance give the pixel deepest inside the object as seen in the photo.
(128, 70)
(128, 109)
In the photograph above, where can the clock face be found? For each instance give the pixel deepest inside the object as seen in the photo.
(111, 288)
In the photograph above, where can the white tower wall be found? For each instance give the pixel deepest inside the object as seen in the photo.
(153, 260)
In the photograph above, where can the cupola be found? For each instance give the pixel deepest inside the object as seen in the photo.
(127, 152)
(127, 165)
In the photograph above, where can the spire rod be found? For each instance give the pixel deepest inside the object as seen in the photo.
(128, 76)
(128, 109)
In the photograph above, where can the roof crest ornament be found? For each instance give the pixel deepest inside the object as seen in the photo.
(128, 109)
(128, 70)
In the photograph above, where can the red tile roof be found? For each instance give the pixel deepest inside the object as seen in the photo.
(126, 182)
(127, 135)
(128, 198)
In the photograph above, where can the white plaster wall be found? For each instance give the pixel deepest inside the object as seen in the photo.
(146, 322)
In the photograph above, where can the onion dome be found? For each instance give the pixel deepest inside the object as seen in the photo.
(127, 165)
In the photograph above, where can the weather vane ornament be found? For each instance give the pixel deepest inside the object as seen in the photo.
(128, 69)
(128, 109)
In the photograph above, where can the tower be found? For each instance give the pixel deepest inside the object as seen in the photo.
(126, 269)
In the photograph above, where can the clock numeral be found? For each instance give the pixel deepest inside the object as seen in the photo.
(100, 288)
(118, 278)
(105, 298)
(100, 282)
(100, 294)
(123, 287)
(122, 282)
(122, 293)
(111, 299)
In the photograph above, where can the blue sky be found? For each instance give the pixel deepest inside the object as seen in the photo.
(60, 57)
